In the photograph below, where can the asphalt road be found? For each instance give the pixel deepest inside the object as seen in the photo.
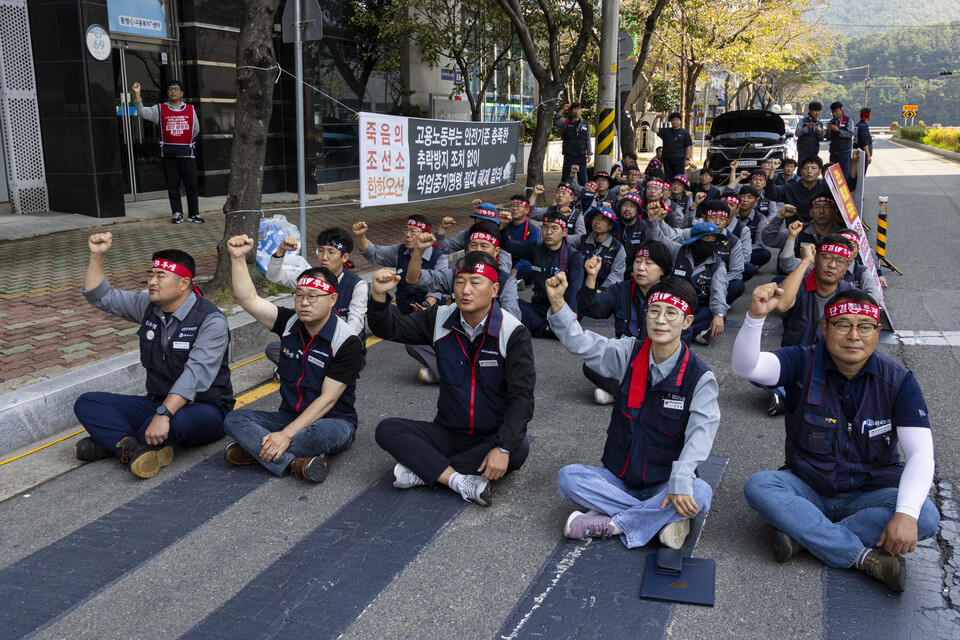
(208, 551)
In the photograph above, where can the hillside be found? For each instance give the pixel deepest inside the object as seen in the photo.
(912, 56)
(858, 17)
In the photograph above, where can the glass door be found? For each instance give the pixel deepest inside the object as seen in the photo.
(139, 143)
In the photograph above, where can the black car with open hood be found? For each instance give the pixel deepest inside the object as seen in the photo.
(751, 137)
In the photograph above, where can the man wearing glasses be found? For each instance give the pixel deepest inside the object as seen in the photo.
(842, 493)
(320, 358)
(179, 127)
(664, 419)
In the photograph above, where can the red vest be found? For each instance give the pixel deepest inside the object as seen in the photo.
(176, 131)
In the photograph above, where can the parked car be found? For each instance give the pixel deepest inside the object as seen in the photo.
(791, 122)
(748, 136)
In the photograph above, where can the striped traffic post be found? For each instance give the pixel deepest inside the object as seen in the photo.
(605, 132)
(882, 234)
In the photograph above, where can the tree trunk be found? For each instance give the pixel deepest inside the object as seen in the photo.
(254, 106)
(541, 135)
(626, 130)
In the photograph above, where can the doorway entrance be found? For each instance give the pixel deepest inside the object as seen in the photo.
(151, 66)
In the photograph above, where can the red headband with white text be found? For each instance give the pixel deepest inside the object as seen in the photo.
(486, 237)
(484, 270)
(423, 226)
(660, 296)
(316, 283)
(854, 308)
(835, 249)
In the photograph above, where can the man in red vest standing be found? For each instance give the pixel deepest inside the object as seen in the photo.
(179, 127)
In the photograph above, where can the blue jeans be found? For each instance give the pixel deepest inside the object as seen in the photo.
(111, 417)
(326, 435)
(835, 529)
(636, 512)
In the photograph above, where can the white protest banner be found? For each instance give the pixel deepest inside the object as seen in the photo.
(412, 159)
(848, 211)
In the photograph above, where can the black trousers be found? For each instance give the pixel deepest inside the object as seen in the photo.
(674, 168)
(427, 449)
(610, 385)
(175, 171)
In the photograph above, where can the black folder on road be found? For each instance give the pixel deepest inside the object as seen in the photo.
(694, 585)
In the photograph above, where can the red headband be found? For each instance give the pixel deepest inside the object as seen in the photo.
(855, 308)
(423, 226)
(732, 200)
(519, 201)
(564, 187)
(660, 296)
(484, 270)
(316, 283)
(643, 253)
(480, 235)
(719, 212)
(173, 267)
(836, 249)
(637, 171)
(851, 236)
(658, 183)
(590, 186)
(820, 199)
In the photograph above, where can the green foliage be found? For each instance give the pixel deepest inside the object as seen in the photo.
(944, 138)
(528, 124)
(915, 134)
(845, 15)
(665, 95)
(908, 56)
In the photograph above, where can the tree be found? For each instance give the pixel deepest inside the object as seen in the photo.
(639, 18)
(254, 107)
(477, 36)
(542, 30)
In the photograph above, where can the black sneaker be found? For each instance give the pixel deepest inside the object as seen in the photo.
(195, 218)
(888, 568)
(313, 469)
(144, 460)
(784, 547)
(89, 450)
(777, 405)
(177, 218)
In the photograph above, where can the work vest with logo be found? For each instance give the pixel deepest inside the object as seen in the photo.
(176, 131)
(407, 294)
(801, 323)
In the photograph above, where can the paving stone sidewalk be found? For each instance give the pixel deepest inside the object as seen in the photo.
(46, 325)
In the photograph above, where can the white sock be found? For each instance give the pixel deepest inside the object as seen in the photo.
(454, 481)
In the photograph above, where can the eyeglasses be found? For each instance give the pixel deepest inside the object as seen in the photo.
(830, 258)
(412, 231)
(670, 314)
(311, 297)
(329, 251)
(864, 329)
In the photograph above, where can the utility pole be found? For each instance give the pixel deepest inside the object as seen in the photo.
(608, 85)
(301, 151)
(866, 85)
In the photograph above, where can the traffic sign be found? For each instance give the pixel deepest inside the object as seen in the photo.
(909, 114)
(910, 110)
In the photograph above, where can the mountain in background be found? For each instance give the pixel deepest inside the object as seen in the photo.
(858, 17)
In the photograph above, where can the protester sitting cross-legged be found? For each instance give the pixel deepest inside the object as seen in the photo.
(626, 301)
(487, 377)
(482, 212)
(184, 343)
(602, 243)
(521, 230)
(662, 425)
(842, 493)
(484, 237)
(320, 358)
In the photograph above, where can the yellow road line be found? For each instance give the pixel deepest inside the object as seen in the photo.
(40, 448)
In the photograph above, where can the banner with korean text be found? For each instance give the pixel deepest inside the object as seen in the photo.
(412, 159)
(851, 218)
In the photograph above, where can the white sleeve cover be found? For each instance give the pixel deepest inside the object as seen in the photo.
(748, 361)
(917, 443)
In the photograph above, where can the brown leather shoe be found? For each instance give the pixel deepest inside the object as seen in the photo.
(144, 460)
(235, 454)
(314, 469)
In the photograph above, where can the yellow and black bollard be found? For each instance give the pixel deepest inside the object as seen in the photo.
(882, 235)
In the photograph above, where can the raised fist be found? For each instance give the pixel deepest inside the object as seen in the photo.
(100, 242)
(289, 243)
(795, 228)
(383, 281)
(787, 211)
(360, 229)
(765, 299)
(700, 197)
(425, 241)
(538, 190)
(239, 246)
(592, 265)
(807, 252)
(447, 222)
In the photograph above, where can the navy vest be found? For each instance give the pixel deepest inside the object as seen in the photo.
(473, 384)
(303, 366)
(631, 238)
(857, 276)
(165, 363)
(407, 294)
(607, 254)
(826, 451)
(648, 423)
(752, 223)
(684, 268)
(801, 324)
(807, 142)
(545, 262)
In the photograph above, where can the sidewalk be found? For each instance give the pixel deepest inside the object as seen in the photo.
(48, 328)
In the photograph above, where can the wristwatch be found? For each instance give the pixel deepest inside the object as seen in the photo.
(163, 411)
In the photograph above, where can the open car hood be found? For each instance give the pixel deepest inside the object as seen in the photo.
(749, 121)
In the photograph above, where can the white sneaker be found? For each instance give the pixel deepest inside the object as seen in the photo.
(426, 376)
(475, 489)
(673, 534)
(602, 397)
(405, 478)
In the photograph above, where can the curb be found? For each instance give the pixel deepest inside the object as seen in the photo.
(44, 408)
(937, 151)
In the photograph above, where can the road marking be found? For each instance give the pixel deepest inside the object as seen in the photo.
(931, 154)
(922, 338)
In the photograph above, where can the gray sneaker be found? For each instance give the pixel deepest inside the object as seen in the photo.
(404, 478)
(475, 489)
(784, 547)
(177, 218)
